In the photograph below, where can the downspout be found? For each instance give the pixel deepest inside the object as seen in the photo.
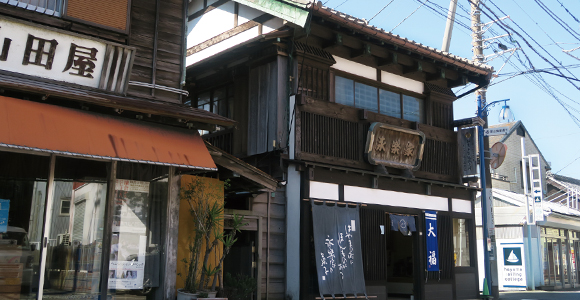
(183, 48)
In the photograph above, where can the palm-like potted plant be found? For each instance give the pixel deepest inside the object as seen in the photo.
(206, 209)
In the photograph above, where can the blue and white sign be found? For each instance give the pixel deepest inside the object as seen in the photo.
(4, 210)
(511, 271)
(432, 245)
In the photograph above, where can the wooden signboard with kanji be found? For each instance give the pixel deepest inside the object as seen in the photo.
(395, 147)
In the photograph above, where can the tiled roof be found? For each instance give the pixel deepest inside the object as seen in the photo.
(363, 26)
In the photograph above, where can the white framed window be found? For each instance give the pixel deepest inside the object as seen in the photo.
(65, 207)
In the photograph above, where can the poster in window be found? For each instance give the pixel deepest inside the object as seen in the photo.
(129, 239)
(127, 263)
(130, 214)
(4, 210)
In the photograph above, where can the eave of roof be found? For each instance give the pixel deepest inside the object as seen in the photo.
(363, 27)
(513, 127)
(140, 105)
(230, 162)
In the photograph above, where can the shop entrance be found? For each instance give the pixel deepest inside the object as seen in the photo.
(389, 255)
(58, 221)
(552, 256)
(400, 260)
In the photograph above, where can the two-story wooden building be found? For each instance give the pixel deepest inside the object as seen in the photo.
(94, 139)
(347, 116)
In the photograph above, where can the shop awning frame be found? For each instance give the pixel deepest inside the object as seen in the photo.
(33, 126)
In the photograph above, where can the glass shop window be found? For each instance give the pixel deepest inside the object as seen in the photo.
(23, 183)
(461, 243)
(140, 201)
(359, 95)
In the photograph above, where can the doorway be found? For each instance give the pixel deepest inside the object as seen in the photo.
(389, 256)
(400, 264)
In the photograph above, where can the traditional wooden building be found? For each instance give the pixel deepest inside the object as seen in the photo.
(93, 144)
(346, 115)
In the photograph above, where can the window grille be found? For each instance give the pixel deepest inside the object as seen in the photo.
(49, 7)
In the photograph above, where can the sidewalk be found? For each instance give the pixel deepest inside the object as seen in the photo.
(540, 295)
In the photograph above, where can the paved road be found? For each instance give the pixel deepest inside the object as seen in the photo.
(540, 295)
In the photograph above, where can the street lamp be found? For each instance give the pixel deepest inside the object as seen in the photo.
(483, 111)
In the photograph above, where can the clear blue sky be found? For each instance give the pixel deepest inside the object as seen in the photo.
(555, 131)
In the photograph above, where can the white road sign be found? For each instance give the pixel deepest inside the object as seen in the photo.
(495, 131)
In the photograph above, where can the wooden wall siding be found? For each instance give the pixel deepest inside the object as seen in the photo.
(442, 114)
(439, 291)
(313, 82)
(164, 66)
(223, 139)
(466, 286)
(440, 157)
(329, 136)
(263, 109)
(373, 243)
(273, 243)
(336, 134)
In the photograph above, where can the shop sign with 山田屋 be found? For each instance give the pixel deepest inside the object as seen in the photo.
(60, 55)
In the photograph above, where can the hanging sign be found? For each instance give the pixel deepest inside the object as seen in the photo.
(338, 251)
(432, 245)
(394, 147)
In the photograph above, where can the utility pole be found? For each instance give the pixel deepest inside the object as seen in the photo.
(488, 228)
(449, 26)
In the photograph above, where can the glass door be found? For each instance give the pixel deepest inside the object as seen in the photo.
(74, 230)
(23, 183)
(557, 265)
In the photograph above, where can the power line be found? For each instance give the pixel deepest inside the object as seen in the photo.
(568, 165)
(381, 10)
(575, 19)
(409, 15)
(557, 19)
(539, 80)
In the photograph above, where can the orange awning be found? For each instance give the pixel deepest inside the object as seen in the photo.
(48, 128)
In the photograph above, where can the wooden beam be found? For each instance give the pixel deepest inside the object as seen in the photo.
(364, 52)
(337, 41)
(226, 35)
(385, 62)
(440, 74)
(462, 80)
(416, 68)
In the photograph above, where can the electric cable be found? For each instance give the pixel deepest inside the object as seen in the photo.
(575, 19)
(381, 10)
(409, 15)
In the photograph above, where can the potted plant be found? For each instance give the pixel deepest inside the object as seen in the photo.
(239, 286)
(206, 209)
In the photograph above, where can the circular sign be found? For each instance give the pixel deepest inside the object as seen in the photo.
(498, 151)
(404, 227)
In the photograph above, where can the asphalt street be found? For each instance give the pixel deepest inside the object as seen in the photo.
(540, 295)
